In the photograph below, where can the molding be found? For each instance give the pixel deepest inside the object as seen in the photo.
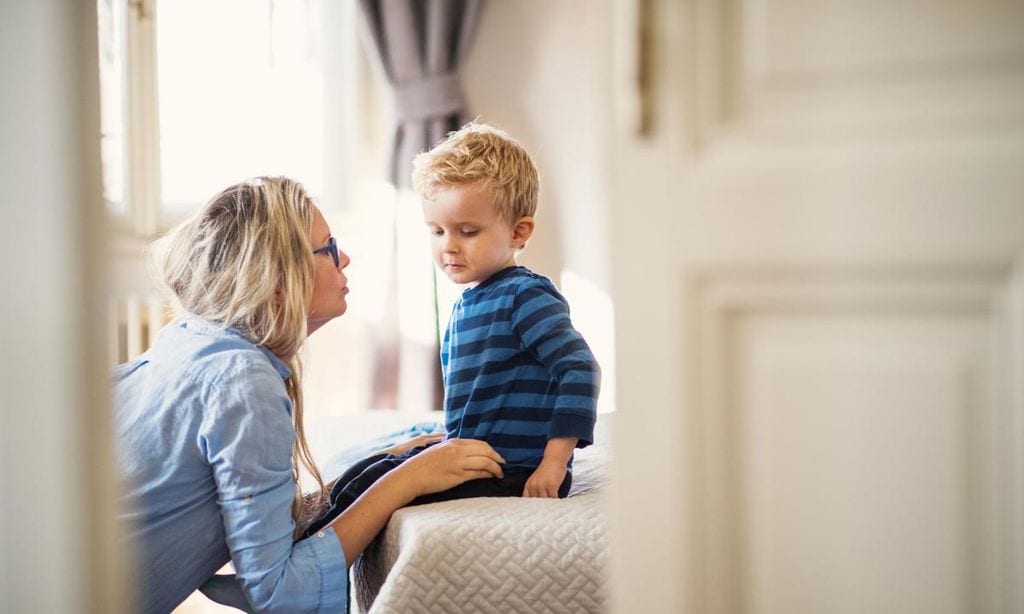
(141, 119)
(632, 56)
(730, 89)
(717, 295)
(1012, 304)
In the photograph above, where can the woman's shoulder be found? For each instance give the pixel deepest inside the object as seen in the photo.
(234, 376)
(212, 353)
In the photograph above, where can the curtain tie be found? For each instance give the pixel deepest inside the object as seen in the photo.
(432, 96)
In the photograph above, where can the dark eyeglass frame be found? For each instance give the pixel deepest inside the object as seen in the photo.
(332, 249)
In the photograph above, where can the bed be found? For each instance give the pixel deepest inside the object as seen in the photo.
(494, 555)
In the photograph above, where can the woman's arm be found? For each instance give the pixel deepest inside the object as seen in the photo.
(437, 468)
(415, 442)
(314, 504)
(246, 437)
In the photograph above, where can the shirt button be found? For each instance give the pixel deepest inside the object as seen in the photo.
(320, 534)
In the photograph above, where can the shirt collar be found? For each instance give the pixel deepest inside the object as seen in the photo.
(493, 279)
(205, 327)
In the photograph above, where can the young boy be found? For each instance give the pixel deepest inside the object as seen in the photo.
(517, 374)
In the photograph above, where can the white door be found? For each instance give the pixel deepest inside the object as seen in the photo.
(819, 287)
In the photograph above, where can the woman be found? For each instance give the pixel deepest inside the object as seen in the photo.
(209, 420)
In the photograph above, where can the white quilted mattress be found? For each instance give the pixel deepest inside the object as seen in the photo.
(494, 555)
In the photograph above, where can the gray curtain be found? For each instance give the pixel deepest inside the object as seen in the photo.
(419, 46)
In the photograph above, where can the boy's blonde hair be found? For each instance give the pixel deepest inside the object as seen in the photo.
(244, 261)
(483, 155)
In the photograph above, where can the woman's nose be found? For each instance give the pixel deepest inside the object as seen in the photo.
(343, 260)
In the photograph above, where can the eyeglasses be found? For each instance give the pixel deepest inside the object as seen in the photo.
(332, 249)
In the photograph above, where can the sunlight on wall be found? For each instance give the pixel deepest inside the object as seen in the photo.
(593, 314)
(416, 287)
(382, 234)
(364, 232)
(419, 362)
(339, 358)
(447, 293)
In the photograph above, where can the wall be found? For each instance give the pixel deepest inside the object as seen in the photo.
(57, 546)
(542, 71)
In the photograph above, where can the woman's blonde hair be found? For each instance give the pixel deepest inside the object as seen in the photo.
(484, 155)
(244, 261)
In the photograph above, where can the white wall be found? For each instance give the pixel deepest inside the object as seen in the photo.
(57, 547)
(542, 71)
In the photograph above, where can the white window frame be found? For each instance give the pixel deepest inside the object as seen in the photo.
(356, 132)
(141, 159)
(143, 216)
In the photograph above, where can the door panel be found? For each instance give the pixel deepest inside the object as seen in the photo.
(855, 435)
(823, 352)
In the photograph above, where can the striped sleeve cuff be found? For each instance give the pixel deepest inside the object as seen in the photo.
(573, 425)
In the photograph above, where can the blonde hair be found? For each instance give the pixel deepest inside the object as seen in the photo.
(483, 155)
(245, 261)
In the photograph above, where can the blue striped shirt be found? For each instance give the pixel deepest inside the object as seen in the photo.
(516, 372)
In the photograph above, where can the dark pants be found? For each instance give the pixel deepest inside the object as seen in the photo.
(360, 476)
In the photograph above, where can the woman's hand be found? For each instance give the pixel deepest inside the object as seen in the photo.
(437, 468)
(415, 442)
(449, 464)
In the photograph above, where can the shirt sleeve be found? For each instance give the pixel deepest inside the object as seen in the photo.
(541, 320)
(247, 438)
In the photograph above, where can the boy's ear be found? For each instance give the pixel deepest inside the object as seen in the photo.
(522, 230)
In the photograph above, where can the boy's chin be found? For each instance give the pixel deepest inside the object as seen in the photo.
(459, 278)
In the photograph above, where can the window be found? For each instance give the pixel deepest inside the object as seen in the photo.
(112, 88)
(198, 94)
(244, 82)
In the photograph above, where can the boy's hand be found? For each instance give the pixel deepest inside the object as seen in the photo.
(547, 477)
(545, 480)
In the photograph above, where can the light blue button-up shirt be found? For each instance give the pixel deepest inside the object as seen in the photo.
(205, 438)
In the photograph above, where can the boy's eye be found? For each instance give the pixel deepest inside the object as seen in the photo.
(437, 232)
(469, 232)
